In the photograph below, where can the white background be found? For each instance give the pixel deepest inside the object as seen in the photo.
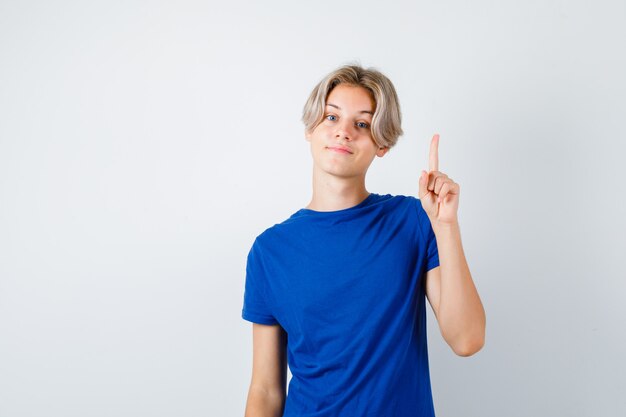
(144, 145)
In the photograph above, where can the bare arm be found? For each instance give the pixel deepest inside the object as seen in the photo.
(267, 393)
(453, 296)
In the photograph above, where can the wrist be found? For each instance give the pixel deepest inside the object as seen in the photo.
(445, 227)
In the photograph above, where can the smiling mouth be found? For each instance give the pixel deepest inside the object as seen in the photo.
(339, 150)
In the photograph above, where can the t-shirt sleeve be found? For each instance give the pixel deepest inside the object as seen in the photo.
(256, 306)
(428, 235)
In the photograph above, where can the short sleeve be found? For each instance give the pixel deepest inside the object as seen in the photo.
(428, 235)
(256, 306)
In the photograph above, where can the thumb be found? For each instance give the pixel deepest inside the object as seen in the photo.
(423, 183)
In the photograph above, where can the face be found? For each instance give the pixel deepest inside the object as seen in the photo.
(342, 144)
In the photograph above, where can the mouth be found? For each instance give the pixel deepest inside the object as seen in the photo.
(339, 149)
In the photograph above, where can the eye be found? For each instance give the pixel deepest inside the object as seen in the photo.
(363, 125)
(330, 115)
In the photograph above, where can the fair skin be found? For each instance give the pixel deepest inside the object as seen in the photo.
(339, 183)
(338, 177)
(267, 393)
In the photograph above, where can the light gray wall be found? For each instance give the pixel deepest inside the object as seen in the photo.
(143, 146)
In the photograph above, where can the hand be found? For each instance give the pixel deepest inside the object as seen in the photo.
(438, 194)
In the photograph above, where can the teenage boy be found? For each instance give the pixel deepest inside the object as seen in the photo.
(338, 289)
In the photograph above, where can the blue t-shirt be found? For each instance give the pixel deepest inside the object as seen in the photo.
(347, 286)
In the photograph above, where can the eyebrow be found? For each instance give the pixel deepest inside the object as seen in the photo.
(339, 108)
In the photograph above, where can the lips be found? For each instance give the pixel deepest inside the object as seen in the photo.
(341, 149)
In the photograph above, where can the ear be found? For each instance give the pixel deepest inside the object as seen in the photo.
(307, 136)
(382, 151)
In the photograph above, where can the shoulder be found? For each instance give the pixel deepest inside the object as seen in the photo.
(407, 200)
(413, 205)
(416, 203)
(273, 236)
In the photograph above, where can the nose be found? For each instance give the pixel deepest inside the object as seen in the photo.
(344, 130)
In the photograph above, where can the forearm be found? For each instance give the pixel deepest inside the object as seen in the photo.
(461, 315)
(262, 403)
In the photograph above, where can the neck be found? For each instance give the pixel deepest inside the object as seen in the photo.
(331, 193)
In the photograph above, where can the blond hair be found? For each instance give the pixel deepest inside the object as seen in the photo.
(387, 119)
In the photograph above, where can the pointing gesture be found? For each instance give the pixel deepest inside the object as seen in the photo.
(438, 194)
(433, 159)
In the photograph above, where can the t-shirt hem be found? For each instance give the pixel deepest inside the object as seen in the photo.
(431, 265)
(257, 318)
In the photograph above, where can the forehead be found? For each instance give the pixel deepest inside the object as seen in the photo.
(351, 98)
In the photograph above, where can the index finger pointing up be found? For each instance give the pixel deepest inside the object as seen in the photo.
(434, 153)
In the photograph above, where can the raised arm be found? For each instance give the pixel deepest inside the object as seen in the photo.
(449, 287)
